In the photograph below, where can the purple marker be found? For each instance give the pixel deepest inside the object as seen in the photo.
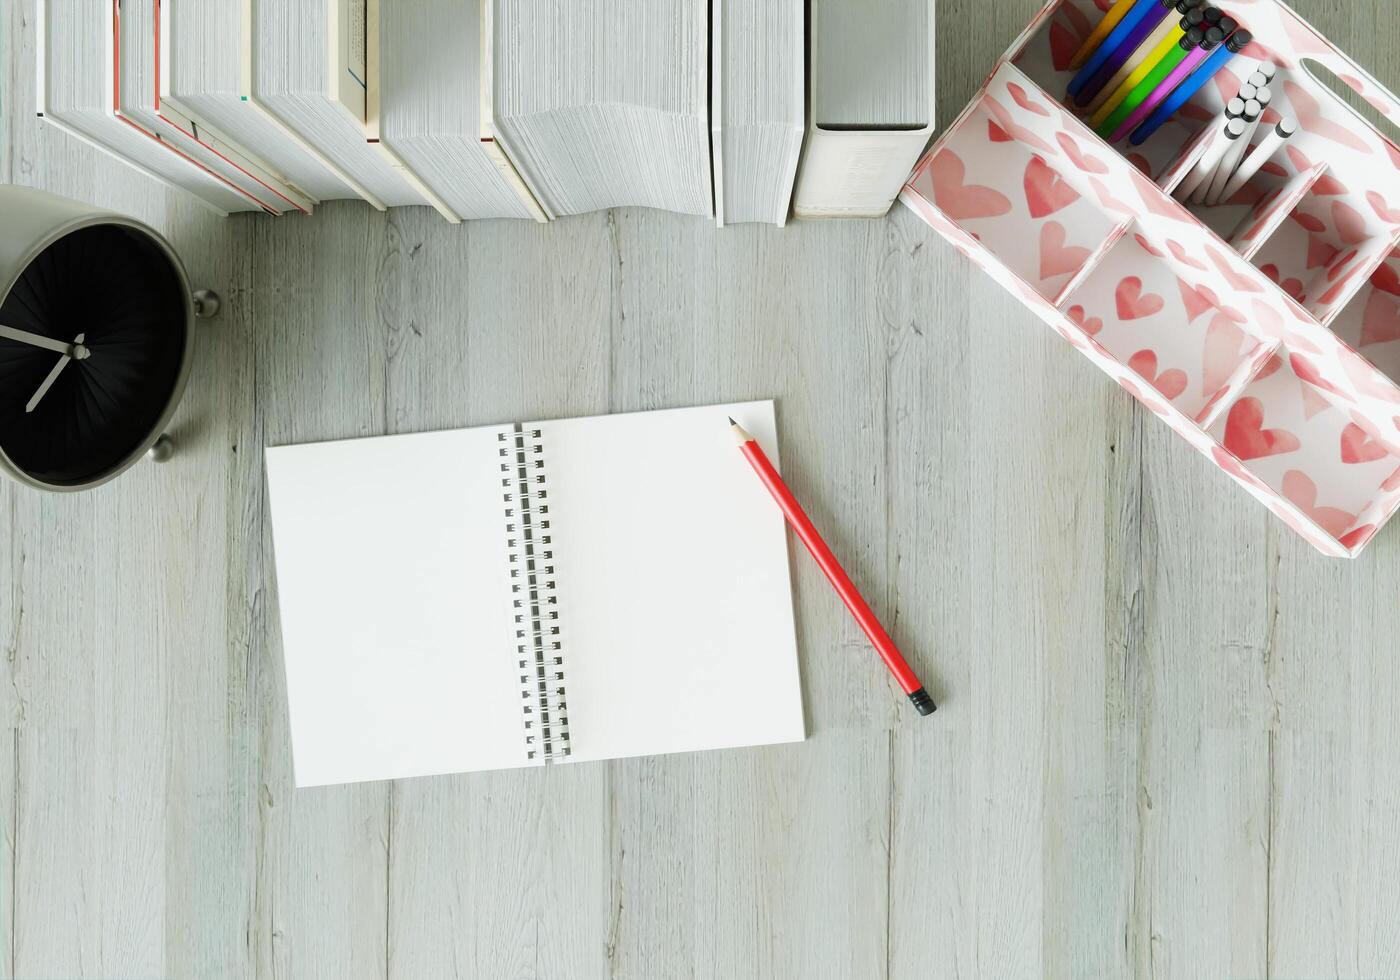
(1188, 64)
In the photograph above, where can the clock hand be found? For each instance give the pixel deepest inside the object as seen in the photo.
(36, 340)
(52, 376)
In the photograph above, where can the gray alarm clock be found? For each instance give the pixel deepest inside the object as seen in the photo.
(96, 338)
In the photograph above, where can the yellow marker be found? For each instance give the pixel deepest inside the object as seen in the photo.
(1096, 36)
(1144, 68)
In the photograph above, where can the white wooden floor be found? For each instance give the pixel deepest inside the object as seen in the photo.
(1168, 742)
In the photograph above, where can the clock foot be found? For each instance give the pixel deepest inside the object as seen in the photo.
(206, 304)
(161, 450)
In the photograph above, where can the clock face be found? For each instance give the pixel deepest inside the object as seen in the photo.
(111, 297)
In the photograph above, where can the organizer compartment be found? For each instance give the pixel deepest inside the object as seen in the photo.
(1249, 218)
(1325, 249)
(1138, 306)
(1043, 54)
(1292, 436)
(1020, 203)
(1370, 322)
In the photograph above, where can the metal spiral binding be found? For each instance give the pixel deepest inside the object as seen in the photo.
(534, 601)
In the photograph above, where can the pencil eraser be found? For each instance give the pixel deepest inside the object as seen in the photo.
(922, 702)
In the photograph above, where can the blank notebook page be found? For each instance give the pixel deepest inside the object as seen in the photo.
(393, 586)
(672, 568)
(394, 576)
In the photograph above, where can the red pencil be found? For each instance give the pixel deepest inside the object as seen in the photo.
(840, 581)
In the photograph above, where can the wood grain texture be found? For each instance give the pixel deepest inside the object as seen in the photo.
(1168, 734)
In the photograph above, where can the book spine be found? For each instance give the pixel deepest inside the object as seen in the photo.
(539, 647)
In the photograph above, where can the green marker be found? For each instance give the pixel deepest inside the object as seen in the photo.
(1189, 42)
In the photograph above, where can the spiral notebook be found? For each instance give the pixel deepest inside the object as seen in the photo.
(534, 593)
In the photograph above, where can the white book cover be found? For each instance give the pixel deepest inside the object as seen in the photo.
(757, 107)
(136, 99)
(308, 66)
(423, 110)
(204, 53)
(74, 79)
(871, 105)
(518, 594)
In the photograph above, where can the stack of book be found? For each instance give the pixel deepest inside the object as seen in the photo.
(530, 109)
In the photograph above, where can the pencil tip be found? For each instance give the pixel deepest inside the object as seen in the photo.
(731, 421)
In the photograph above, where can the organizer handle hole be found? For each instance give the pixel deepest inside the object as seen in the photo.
(1352, 99)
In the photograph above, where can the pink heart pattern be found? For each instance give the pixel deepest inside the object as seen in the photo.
(1380, 323)
(1046, 191)
(1083, 161)
(1299, 488)
(1358, 447)
(1133, 303)
(1089, 324)
(1056, 257)
(1246, 437)
(1304, 417)
(961, 201)
(1170, 382)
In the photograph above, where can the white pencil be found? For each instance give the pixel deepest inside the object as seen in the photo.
(1226, 168)
(1260, 155)
(1234, 129)
(1202, 192)
(1264, 72)
(1233, 110)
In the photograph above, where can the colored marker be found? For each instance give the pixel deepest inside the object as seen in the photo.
(1187, 48)
(1144, 29)
(1119, 34)
(1110, 20)
(1113, 94)
(1210, 194)
(1234, 129)
(1145, 58)
(1223, 53)
(1260, 155)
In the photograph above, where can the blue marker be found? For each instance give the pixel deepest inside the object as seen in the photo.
(1193, 84)
(1110, 44)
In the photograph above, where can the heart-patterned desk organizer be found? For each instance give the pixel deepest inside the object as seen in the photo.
(1266, 331)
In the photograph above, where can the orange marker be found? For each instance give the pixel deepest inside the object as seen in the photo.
(1110, 20)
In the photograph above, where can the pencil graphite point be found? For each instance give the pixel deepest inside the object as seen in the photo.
(740, 435)
(731, 421)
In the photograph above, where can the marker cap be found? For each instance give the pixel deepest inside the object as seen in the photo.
(1265, 95)
(1234, 108)
(1212, 39)
(1239, 41)
(1247, 91)
(1213, 15)
(1267, 69)
(1194, 16)
(1192, 38)
(1235, 128)
(1286, 127)
(1228, 24)
(1252, 108)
